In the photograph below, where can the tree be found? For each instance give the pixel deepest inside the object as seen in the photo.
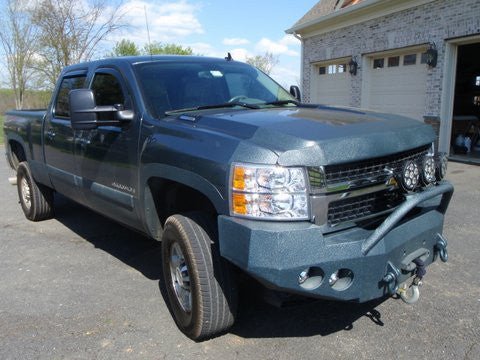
(125, 47)
(265, 62)
(18, 40)
(70, 31)
(156, 48)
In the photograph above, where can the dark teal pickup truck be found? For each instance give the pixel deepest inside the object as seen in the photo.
(234, 174)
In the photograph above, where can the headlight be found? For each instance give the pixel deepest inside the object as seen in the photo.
(269, 192)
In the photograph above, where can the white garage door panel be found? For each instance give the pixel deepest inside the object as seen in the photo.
(332, 89)
(399, 90)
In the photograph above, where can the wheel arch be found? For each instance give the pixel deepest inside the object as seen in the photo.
(15, 152)
(170, 190)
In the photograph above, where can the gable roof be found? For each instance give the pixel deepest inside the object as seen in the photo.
(329, 15)
(325, 7)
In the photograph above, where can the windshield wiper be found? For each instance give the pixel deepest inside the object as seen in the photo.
(216, 106)
(282, 102)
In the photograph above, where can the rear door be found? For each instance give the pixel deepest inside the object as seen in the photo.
(59, 137)
(107, 156)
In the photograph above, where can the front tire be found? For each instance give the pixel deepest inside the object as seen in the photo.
(200, 285)
(36, 199)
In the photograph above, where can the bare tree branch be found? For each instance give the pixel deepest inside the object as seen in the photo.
(265, 62)
(70, 31)
(18, 39)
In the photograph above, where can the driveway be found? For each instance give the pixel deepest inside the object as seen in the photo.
(82, 287)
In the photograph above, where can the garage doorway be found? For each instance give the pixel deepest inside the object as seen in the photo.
(395, 81)
(465, 133)
(331, 83)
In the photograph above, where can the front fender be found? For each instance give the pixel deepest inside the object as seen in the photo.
(187, 178)
(194, 181)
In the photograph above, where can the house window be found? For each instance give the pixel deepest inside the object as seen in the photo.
(340, 4)
(477, 81)
(393, 61)
(332, 69)
(410, 59)
(378, 63)
(423, 59)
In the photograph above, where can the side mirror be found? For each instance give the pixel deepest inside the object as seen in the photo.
(84, 112)
(295, 92)
(82, 105)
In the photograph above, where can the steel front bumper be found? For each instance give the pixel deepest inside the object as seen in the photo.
(348, 265)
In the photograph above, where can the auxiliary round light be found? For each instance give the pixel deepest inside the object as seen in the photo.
(410, 175)
(428, 170)
(441, 170)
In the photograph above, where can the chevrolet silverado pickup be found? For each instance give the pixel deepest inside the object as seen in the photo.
(235, 175)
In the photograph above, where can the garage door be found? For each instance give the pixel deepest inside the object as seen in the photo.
(397, 84)
(331, 84)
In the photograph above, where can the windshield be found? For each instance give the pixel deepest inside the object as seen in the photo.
(186, 85)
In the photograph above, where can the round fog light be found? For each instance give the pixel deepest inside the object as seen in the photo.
(341, 279)
(311, 278)
(410, 175)
(428, 171)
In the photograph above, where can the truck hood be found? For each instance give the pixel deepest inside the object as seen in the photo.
(313, 136)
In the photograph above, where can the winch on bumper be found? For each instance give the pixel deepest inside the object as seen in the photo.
(357, 264)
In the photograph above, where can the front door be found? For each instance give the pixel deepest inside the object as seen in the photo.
(107, 156)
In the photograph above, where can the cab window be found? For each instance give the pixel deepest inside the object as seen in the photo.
(107, 90)
(62, 106)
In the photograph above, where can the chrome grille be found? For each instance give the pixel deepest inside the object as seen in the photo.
(344, 194)
(362, 207)
(357, 172)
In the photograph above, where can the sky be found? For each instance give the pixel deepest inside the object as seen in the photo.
(215, 27)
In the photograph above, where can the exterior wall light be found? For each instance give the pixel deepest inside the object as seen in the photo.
(353, 66)
(432, 55)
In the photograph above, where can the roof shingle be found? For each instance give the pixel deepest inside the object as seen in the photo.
(324, 7)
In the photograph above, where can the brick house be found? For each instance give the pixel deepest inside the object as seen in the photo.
(419, 58)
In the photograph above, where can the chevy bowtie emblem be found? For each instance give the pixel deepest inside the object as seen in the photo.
(391, 181)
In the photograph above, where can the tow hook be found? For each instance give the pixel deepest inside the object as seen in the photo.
(391, 278)
(411, 294)
(441, 247)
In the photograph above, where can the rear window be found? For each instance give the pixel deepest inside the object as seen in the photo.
(62, 106)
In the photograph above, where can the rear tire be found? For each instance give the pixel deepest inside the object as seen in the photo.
(36, 199)
(200, 284)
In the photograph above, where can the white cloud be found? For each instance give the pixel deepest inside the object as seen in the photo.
(240, 54)
(281, 47)
(204, 49)
(235, 41)
(290, 40)
(286, 75)
(167, 22)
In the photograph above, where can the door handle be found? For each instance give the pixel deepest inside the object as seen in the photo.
(51, 134)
